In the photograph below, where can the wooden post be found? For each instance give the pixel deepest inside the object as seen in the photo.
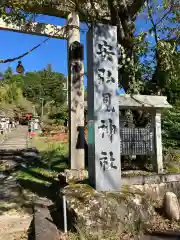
(76, 97)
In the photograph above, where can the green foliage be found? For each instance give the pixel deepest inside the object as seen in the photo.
(171, 127)
(159, 59)
(11, 95)
(154, 65)
(47, 85)
(59, 113)
(22, 93)
(52, 160)
(14, 14)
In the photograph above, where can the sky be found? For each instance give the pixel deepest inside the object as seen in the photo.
(54, 51)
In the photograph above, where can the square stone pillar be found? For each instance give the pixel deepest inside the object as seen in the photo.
(103, 109)
(158, 157)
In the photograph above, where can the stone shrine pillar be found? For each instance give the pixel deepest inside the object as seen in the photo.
(103, 109)
(75, 95)
(158, 157)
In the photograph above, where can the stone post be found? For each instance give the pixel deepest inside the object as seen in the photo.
(103, 109)
(158, 157)
(76, 98)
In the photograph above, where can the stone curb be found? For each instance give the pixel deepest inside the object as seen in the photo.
(151, 179)
(44, 228)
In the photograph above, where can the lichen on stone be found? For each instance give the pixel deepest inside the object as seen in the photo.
(97, 211)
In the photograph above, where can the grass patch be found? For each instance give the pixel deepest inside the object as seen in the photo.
(171, 161)
(38, 173)
(2, 168)
(52, 153)
(172, 169)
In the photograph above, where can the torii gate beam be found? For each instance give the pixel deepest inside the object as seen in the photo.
(36, 28)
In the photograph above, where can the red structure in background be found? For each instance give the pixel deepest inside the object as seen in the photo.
(28, 115)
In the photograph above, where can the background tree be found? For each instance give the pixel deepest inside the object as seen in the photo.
(21, 93)
(171, 127)
(49, 86)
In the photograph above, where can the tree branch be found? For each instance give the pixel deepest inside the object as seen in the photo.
(164, 16)
(136, 5)
(153, 23)
(154, 28)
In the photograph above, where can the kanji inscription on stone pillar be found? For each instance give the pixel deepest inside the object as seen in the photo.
(103, 109)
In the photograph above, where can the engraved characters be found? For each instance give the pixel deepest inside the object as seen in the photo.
(107, 52)
(107, 127)
(107, 161)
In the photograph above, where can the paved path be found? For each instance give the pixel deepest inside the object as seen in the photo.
(15, 139)
(14, 220)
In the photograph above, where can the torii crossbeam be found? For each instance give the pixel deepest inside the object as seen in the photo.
(35, 28)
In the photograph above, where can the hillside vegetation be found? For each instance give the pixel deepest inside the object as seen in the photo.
(20, 94)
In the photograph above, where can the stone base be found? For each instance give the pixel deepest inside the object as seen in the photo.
(98, 213)
(73, 175)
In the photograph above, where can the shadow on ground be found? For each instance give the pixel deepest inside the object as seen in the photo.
(169, 235)
(27, 170)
